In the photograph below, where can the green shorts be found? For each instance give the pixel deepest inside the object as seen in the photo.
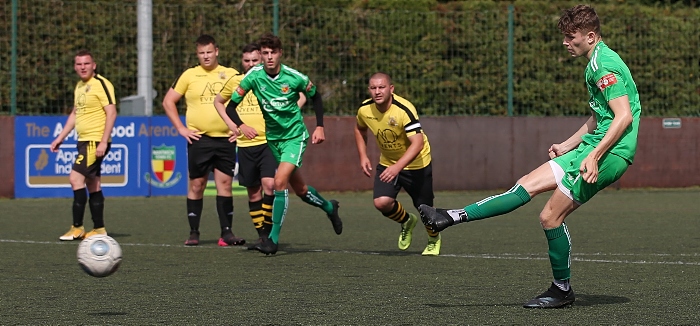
(610, 168)
(289, 150)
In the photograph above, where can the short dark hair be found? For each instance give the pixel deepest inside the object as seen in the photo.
(271, 41)
(84, 52)
(581, 18)
(205, 39)
(250, 47)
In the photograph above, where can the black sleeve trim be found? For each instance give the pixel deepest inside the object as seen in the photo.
(318, 108)
(232, 113)
(414, 124)
(110, 97)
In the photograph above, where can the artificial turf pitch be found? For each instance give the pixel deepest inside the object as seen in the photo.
(636, 260)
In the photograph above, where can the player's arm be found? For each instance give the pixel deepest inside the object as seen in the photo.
(110, 118)
(622, 120)
(302, 99)
(220, 105)
(411, 153)
(573, 141)
(67, 128)
(319, 134)
(361, 143)
(170, 107)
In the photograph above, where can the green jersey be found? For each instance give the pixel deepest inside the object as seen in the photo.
(278, 98)
(607, 78)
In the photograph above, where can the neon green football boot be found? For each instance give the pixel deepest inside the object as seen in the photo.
(433, 247)
(407, 231)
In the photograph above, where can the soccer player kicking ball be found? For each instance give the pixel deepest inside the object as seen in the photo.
(277, 88)
(590, 160)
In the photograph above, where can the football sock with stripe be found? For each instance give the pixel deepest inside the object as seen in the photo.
(497, 205)
(279, 210)
(79, 201)
(257, 215)
(224, 208)
(267, 203)
(397, 213)
(194, 212)
(97, 209)
(313, 198)
(559, 243)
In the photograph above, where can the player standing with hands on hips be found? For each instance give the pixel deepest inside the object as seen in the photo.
(594, 157)
(277, 88)
(93, 116)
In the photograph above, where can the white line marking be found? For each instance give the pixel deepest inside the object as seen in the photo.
(576, 257)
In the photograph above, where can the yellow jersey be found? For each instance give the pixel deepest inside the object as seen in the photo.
(392, 129)
(90, 99)
(199, 87)
(249, 111)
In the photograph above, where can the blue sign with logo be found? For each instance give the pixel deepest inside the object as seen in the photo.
(147, 158)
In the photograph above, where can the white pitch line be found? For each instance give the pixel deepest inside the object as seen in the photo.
(505, 256)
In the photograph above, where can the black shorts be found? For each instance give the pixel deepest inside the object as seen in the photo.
(254, 163)
(417, 183)
(87, 163)
(209, 153)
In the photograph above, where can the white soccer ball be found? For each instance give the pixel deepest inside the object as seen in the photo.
(99, 255)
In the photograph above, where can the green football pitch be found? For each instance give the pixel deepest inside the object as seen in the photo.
(636, 260)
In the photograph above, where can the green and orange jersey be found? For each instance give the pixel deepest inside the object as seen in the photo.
(278, 97)
(607, 78)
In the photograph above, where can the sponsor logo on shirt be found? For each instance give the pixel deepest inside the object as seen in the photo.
(240, 91)
(308, 87)
(605, 81)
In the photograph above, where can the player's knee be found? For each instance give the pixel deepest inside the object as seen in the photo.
(197, 186)
(383, 204)
(549, 220)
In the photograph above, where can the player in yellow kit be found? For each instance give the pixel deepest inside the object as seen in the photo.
(209, 145)
(405, 160)
(93, 116)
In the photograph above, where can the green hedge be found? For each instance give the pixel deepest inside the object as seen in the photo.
(448, 58)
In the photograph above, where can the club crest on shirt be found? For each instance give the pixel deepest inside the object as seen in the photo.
(285, 89)
(392, 122)
(87, 88)
(222, 75)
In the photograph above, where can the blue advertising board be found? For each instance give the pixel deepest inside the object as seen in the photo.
(148, 158)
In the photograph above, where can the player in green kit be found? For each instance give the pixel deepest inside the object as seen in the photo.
(277, 88)
(591, 159)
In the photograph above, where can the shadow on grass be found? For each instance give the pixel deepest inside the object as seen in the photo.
(582, 300)
(108, 313)
(594, 300)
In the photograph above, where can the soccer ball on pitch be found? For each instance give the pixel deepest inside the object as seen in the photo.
(99, 255)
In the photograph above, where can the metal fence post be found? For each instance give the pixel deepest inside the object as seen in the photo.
(510, 60)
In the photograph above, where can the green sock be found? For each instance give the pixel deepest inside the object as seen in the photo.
(498, 204)
(559, 251)
(313, 198)
(279, 211)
